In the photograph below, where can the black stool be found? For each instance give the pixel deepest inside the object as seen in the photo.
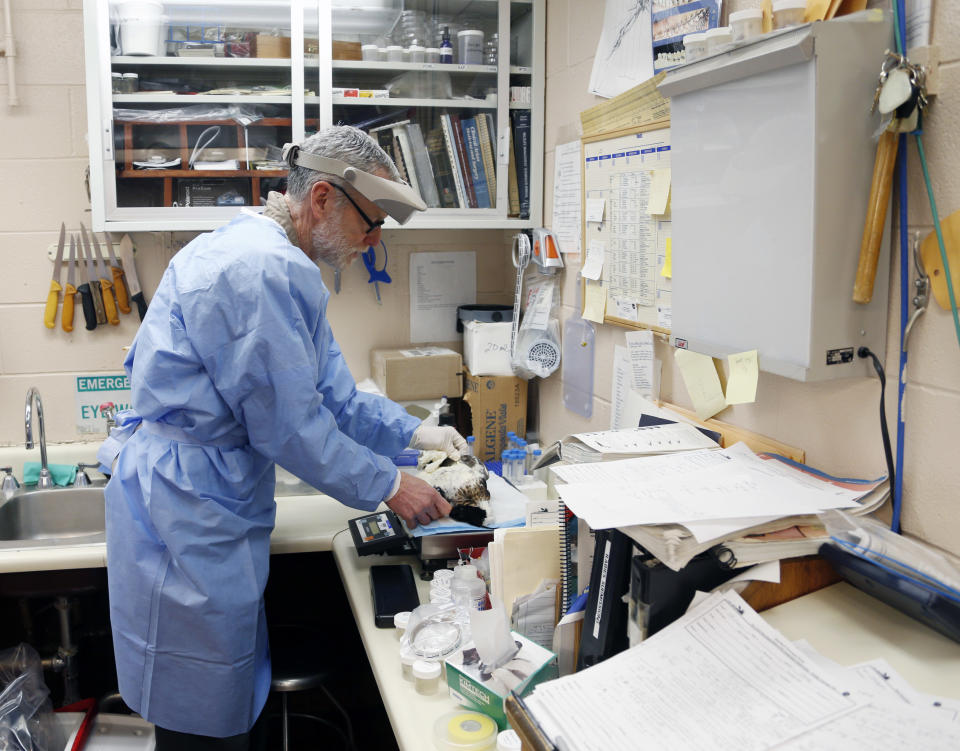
(298, 664)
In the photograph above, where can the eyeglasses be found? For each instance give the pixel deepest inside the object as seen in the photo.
(371, 225)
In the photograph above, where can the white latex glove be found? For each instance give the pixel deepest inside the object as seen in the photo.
(445, 438)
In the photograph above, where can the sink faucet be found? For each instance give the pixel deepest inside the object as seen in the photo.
(33, 396)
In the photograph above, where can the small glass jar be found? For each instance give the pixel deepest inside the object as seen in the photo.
(131, 83)
(407, 659)
(116, 83)
(400, 621)
(416, 54)
(787, 13)
(718, 39)
(746, 24)
(394, 53)
(426, 677)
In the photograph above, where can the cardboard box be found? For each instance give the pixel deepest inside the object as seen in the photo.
(486, 348)
(346, 50)
(418, 372)
(267, 45)
(531, 665)
(498, 404)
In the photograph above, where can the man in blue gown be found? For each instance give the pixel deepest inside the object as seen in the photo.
(234, 369)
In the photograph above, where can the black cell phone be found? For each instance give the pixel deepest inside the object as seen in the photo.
(394, 591)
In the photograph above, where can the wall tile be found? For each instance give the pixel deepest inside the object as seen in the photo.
(39, 122)
(585, 21)
(38, 194)
(557, 20)
(49, 46)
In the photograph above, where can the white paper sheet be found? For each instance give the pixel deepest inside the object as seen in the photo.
(624, 56)
(439, 282)
(593, 265)
(627, 403)
(595, 208)
(652, 439)
(718, 678)
(642, 362)
(640, 469)
(566, 196)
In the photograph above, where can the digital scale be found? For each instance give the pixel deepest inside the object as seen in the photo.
(384, 532)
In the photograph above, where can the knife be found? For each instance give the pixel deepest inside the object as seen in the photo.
(53, 296)
(92, 277)
(69, 292)
(106, 281)
(86, 298)
(116, 269)
(130, 270)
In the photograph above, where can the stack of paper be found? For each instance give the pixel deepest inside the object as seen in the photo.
(680, 505)
(720, 677)
(651, 440)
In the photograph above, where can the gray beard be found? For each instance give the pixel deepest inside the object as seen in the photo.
(330, 246)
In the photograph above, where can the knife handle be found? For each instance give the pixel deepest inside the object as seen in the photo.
(109, 306)
(50, 310)
(141, 304)
(89, 312)
(98, 302)
(66, 320)
(121, 289)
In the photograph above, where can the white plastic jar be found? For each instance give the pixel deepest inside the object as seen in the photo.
(400, 621)
(746, 24)
(426, 677)
(787, 13)
(470, 47)
(467, 588)
(442, 576)
(432, 55)
(695, 46)
(394, 53)
(508, 740)
(407, 658)
(370, 52)
(416, 54)
(718, 39)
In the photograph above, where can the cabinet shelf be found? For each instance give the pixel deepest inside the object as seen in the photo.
(157, 173)
(202, 62)
(473, 104)
(147, 98)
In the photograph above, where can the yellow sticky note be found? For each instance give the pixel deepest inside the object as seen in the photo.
(742, 382)
(595, 302)
(659, 192)
(702, 382)
(667, 269)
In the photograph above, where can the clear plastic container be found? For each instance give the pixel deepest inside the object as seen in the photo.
(787, 13)
(400, 622)
(426, 677)
(467, 588)
(718, 39)
(470, 47)
(746, 24)
(370, 52)
(471, 440)
(407, 658)
(442, 575)
(395, 53)
(508, 740)
(432, 55)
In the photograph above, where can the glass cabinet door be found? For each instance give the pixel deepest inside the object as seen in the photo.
(196, 101)
(428, 80)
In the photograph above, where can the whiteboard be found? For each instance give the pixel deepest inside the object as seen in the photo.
(619, 170)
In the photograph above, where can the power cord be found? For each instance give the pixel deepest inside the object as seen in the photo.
(888, 453)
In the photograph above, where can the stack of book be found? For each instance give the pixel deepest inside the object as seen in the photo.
(450, 159)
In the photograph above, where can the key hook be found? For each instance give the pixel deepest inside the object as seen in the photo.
(369, 257)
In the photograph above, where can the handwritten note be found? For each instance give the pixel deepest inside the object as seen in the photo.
(742, 381)
(593, 265)
(702, 382)
(659, 192)
(642, 362)
(595, 302)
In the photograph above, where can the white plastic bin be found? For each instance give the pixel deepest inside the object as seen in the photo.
(141, 27)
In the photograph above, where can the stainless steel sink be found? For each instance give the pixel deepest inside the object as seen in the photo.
(59, 516)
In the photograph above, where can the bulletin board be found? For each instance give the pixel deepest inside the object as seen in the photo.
(627, 171)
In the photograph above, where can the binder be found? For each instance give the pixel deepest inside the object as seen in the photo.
(605, 620)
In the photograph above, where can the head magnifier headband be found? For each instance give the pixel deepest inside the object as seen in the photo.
(396, 199)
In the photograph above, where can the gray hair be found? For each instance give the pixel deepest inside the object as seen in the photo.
(343, 142)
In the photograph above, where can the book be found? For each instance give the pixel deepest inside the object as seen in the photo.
(471, 140)
(464, 161)
(421, 163)
(442, 169)
(513, 190)
(485, 130)
(520, 120)
(404, 151)
(456, 170)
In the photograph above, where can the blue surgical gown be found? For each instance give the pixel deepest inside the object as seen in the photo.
(234, 368)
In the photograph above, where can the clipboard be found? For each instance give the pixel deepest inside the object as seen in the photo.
(532, 737)
(614, 166)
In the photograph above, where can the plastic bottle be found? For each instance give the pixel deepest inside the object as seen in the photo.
(407, 658)
(400, 622)
(470, 441)
(540, 474)
(445, 416)
(446, 47)
(467, 588)
(505, 466)
(426, 677)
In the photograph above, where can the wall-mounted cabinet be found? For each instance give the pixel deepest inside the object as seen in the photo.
(189, 103)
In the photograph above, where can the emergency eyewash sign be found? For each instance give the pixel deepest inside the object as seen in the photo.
(94, 391)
